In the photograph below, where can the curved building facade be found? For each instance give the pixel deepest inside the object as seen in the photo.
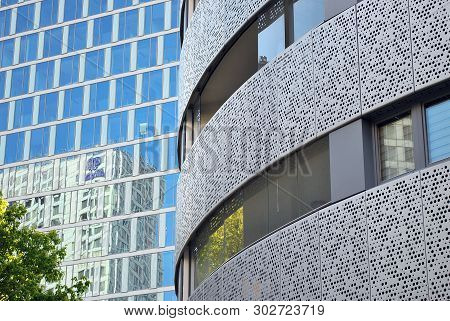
(314, 144)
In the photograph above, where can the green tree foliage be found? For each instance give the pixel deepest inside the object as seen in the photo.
(29, 259)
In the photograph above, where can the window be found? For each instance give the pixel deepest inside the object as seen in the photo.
(14, 147)
(7, 52)
(19, 81)
(65, 138)
(149, 157)
(99, 97)
(4, 111)
(48, 108)
(172, 157)
(117, 127)
(147, 53)
(271, 33)
(173, 82)
(5, 22)
(438, 131)
(98, 6)
(39, 142)
(28, 48)
(44, 75)
(122, 162)
(171, 48)
(52, 42)
(102, 30)
(122, 3)
(396, 147)
(175, 13)
(73, 102)
(152, 85)
(126, 91)
(73, 9)
(308, 14)
(69, 70)
(128, 24)
(154, 18)
(169, 118)
(49, 12)
(23, 112)
(91, 132)
(120, 62)
(168, 192)
(95, 61)
(142, 195)
(144, 122)
(77, 37)
(2, 84)
(25, 18)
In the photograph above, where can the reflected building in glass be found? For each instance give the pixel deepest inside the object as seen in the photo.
(88, 135)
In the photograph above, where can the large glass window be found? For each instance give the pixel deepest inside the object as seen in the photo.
(168, 190)
(14, 147)
(154, 18)
(117, 127)
(95, 61)
(4, 111)
(99, 97)
(28, 48)
(271, 33)
(171, 47)
(175, 13)
(126, 91)
(69, 70)
(39, 142)
(44, 75)
(98, 6)
(438, 131)
(308, 14)
(150, 157)
(142, 195)
(48, 107)
(128, 24)
(122, 3)
(169, 118)
(122, 162)
(102, 30)
(120, 61)
(91, 132)
(2, 84)
(73, 9)
(5, 22)
(144, 122)
(25, 18)
(7, 52)
(396, 147)
(23, 112)
(77, 36)
(65, 138)
(52, 42)
(49, 12)
(73, 102)
(152, 85)
(19, 81)
(147, 53)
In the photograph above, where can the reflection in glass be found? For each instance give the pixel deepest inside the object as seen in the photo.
(438, 131)
(120, 236)
(308, 14)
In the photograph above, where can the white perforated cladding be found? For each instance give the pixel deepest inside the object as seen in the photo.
(389, 243)
(430, 22)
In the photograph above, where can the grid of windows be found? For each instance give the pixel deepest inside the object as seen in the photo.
(53, 109)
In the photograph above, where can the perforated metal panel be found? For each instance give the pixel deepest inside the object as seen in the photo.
(197, 295)
(436, 209)
(212, 287)
(300, 261)
(336, 71)
(235, 270)
(384, 51)
(430, 22)
(344, 251)
(396, 241)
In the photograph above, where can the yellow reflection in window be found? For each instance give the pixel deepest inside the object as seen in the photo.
(234, 233)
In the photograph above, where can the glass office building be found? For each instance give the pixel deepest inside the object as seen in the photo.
(88, 135)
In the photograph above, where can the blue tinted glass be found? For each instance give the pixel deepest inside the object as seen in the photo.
(155, 85)
(120, 59)
(99, 97)
(308, 14)
(157, 18)
(73, 102)
(438, 131)
(25, 18)
(28, 48)
(150, 157)
(52, 42)
(23, 112)
(170, 229)
(49, 12)
(48, 108)
(175, 14)
(128, 24)
(44, 75)
(146, 53)
(144, 122)
(19, 81)
(117, 127)
(172, 157)
(102, 30)
(73, 9)
(5, 22)
(170, 296)
(2, 84)
(94, 64)
(122, 3)
(91, 132)
(168, 265)
(39, 142)
(126, 91)
(98, 6)
(65, 137)
(170, 47)
(69, 70)
(169, 118)
(173, 84)
(7, 52)
(77, 37)
(14, 147)
(271, 40)
(169, 195)
(4, 111)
